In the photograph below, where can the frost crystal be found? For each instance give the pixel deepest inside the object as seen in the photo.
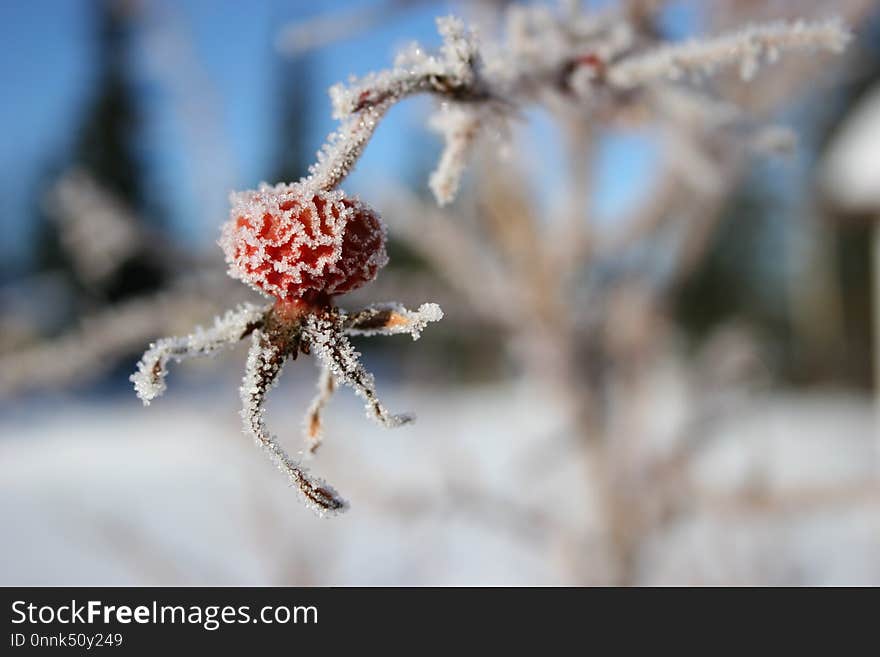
(452, 72)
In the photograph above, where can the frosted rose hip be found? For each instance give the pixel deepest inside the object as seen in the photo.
(291, 242)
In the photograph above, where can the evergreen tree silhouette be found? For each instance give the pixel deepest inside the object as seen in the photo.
(106, 142)
(292, 155)
(106, 145)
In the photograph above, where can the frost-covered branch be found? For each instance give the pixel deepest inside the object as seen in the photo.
(452, 73)
(265, 361)
(344, 147)
(746, 48)
(324, 333)
(227, 331)
(576, 64)
(391, 319)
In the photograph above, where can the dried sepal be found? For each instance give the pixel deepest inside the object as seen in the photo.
(228, 330)
(313, 425)
(324, 331)
(265, 361)
(391, 319)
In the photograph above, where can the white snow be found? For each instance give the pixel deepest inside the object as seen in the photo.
(851, 171)
(174, 494)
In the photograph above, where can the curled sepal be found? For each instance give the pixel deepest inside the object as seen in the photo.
(314, 423)
(265, 360)
(228, 330)
(391, 319)
(325, 333)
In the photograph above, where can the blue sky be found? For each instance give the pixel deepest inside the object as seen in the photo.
(209, 75)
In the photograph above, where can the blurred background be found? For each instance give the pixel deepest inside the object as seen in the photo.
(689, 399)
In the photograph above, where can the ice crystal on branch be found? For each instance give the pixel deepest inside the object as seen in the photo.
(453, 73)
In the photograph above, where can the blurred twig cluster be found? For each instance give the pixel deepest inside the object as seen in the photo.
(585, 309)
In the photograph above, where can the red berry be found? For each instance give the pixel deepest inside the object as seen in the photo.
(294, 243)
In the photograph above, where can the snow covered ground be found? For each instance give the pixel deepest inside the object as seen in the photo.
(109, 492)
